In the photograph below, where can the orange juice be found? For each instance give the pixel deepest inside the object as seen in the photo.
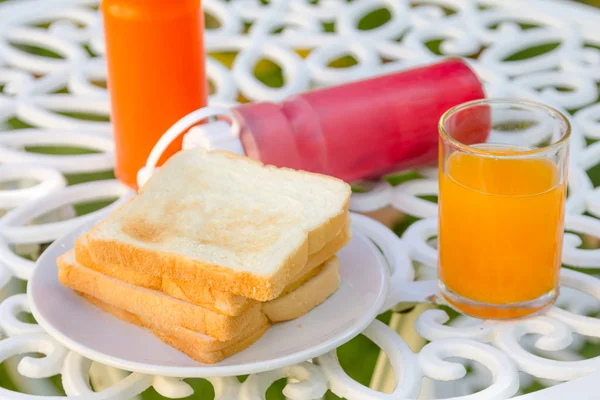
(500, 231)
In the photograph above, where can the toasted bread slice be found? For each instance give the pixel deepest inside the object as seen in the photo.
(296, 301)
(299, 299)
(223, 221)
(214, 300)
(198, 346)
(158, 307)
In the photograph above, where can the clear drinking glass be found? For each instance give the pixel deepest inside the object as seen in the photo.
(501, 206)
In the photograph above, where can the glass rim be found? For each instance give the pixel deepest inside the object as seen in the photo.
(562, 141)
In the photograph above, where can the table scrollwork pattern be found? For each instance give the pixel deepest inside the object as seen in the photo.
(59, 96)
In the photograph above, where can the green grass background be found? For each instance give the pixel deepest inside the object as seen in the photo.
(359, 355)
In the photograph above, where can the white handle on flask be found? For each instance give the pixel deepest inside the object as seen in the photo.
(177, 129)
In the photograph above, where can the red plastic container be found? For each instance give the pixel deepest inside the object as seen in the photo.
(364, 129)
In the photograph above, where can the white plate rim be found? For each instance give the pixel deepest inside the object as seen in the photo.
(206, 370)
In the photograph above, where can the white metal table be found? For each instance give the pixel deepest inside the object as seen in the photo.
(48, 93)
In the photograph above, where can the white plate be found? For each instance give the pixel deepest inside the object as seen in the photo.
(101, 337)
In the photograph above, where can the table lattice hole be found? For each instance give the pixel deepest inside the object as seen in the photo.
(90, 51)
(36, 50)
(589, 45)
(591, 57)
(386, 382)
(277, 31)
(275, 391)
(399, 38)
(242, 99)
(359, 356)
(526, 26)
(73, 179)
(484, 7)
(429, 197)
(211, 22)
(328, 26)
(303, 53)
(101, 84)
(588, 242)
(212, 88)
(563, 89)
(14, 123)
(589, 141)
(591, 346)
(85, 116)
(345, 61)
(269, 72)
(432, 241)
(42, 25)
(593, 172)
(60, 150)
(401, 177)
(385, 60)
(26, 317)
(532, 52)
(30, 251)
(32, 355)
(5, 376)
(424, 271)
(402, 225)
(447, 10)
(375, 19)
(530, 384)
(60, 90)
(523, 25)
(434, 46)
(224, 57)
(48, 23)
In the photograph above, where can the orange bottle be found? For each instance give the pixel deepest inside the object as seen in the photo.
(156, 74)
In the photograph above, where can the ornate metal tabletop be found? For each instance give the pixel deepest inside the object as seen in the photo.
(52, 76)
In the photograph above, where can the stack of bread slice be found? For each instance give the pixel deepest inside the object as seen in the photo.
(213, 250)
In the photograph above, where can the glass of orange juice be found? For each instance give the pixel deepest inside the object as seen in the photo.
(501, 207)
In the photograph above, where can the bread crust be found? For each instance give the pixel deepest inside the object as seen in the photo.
(177, 267)
(199, 347)
(216, 300)
(161, 308)
(315, 288)
(308, 296)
